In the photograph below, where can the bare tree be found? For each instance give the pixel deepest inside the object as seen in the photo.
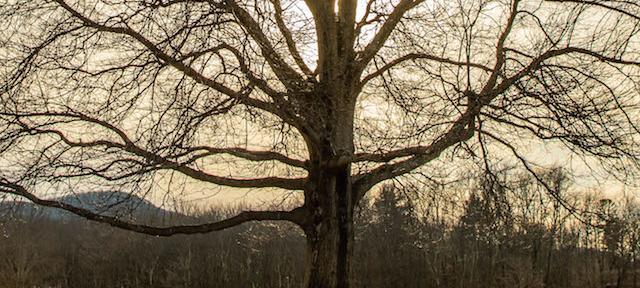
(328, 98)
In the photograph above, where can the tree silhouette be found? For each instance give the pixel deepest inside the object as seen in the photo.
(327, 98)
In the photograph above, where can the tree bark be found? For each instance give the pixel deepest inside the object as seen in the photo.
(329, 191)
(329, 229)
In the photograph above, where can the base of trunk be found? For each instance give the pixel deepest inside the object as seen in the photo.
(328, 255)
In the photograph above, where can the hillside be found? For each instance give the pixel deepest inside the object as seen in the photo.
(117, 204)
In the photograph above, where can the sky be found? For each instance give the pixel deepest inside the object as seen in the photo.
(544, 154)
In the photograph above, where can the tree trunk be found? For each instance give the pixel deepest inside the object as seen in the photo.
(329, 199)
(329, 229)
(328, 260)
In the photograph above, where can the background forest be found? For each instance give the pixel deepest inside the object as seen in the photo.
(489, 230)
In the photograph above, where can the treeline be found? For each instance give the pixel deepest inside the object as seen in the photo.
(503, 230)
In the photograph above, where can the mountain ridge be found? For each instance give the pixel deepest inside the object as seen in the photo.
(113, 204)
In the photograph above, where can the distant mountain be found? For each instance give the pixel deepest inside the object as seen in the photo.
(109, 203)
(116, 204)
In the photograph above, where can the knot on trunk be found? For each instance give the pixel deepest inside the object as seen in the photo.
(339, 161)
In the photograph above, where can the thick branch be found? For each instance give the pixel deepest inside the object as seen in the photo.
(461, 131)
(390, 155)
(501, 55)
(347, 18)
(418, 56)
(153, 49)
(281, 109)
(288, 37)
(159, 53)
(287, 75)
(535, 64)
(162, 162)
(243, 217)
(364, 20)
(250, 155)
(387, 28)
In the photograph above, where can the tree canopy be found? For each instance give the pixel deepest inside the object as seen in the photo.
(329, 98)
